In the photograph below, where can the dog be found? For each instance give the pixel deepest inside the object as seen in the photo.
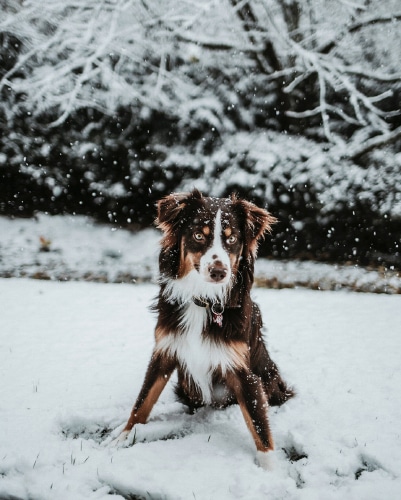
(208, 327)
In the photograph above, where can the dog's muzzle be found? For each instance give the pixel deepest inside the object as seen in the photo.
(218, 272)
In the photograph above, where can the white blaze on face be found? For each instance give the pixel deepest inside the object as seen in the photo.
(216, 254)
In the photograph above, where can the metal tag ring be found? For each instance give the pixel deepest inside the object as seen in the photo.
(217, 308)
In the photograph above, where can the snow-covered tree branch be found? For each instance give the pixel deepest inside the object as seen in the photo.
(105, 54)
(92, 54)
(344, 88)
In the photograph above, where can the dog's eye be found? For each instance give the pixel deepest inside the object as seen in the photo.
(199, 236)
(231, 239)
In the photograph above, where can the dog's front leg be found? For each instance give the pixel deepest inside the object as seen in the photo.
(157, 375)
(252, 399)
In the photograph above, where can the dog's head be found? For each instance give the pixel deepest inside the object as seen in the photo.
(207, 241)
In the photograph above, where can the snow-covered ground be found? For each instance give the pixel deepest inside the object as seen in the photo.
(78, 249)
(72, 359)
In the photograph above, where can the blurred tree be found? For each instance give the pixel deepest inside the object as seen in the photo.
(106, 105)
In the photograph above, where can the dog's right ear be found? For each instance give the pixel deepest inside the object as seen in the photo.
(168, 208)
(169, 214)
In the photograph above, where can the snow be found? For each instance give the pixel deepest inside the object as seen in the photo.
(72, 359)
(78, 249)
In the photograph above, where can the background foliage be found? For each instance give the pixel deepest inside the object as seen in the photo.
(108, 105)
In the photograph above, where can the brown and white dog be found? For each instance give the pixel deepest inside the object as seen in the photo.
(208, 327)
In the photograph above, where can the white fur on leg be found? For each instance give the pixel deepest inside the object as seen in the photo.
(119, 440)
(265, 460)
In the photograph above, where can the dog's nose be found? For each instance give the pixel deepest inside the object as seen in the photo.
(217, 272)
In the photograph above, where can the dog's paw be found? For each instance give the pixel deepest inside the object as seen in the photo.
(120, 440)
(265, 460)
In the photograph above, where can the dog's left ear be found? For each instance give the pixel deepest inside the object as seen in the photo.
(258, 222)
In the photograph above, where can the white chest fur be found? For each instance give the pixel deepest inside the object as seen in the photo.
(197, 355)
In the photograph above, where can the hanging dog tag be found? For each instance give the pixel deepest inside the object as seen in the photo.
(217, 310)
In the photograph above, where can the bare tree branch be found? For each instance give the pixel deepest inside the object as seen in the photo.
(374, 143)
(267, 60)
(371, 75)
(352, 28)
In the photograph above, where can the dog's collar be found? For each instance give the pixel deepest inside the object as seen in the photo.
(214, 305)
(214, 309)
(208, 303)
(201, 302)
